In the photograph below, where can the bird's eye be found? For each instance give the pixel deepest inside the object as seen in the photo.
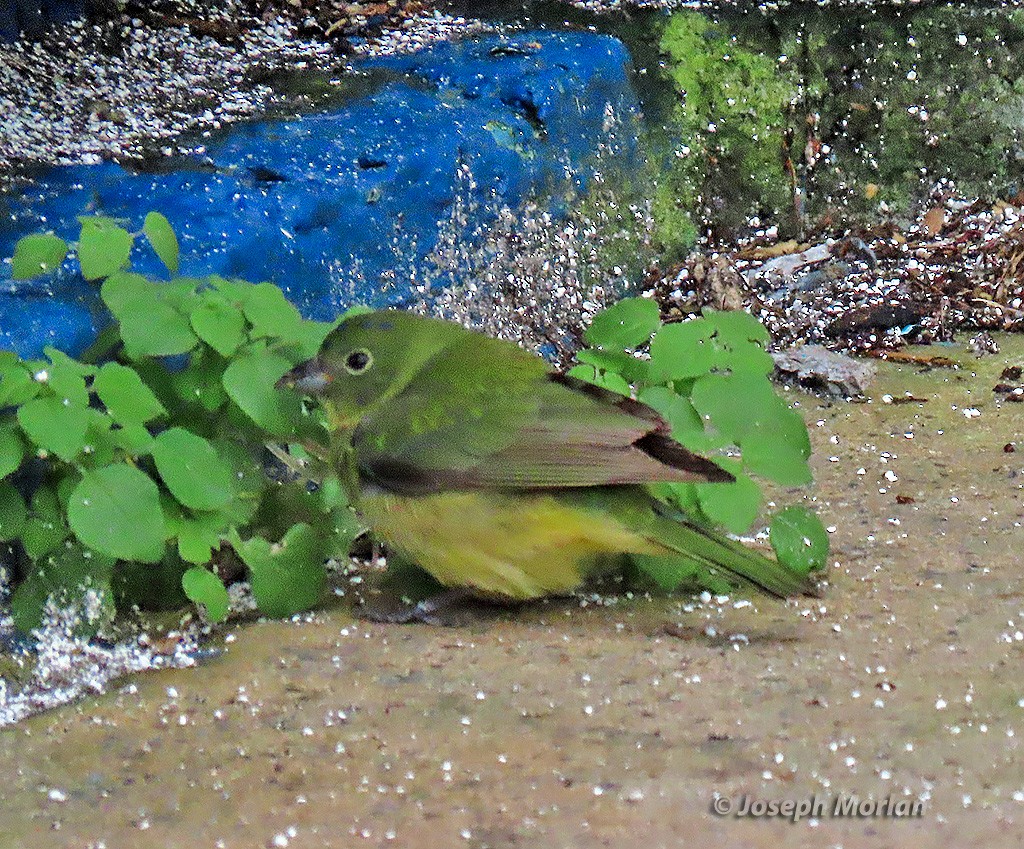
(358, 361)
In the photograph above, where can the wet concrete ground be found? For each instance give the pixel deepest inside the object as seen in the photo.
(612, 726)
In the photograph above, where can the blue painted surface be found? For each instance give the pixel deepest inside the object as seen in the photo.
(302, 202)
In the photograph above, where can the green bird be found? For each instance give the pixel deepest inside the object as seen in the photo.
(499, 476)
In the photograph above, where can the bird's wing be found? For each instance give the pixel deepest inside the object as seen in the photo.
(483, 414)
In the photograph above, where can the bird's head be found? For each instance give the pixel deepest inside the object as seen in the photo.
(367, 359)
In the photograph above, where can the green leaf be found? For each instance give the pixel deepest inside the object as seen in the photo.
(626, 325)
(161, 382)
(12, 451)
(288, 577)
(181, 294)
(684, 350)
(37, 254)
(220, 325)
(605, 379)
(682, 496)
(341, 529)
(12, 512)
(236, 291)
(65, 487)
(66, 378)
(153, 328)
(41, 537)
(120, 290)
(744, 408)
(99, 441)
(782, 462)
(205, 588)
(17, 385)
(103, 247)
(161, 238)
(248, 479)
(202, 381)
(199, 534)
(270, 312)
(736, 403)
(151, 322)
(55, 426)
(45, 530)
(733, 505)
(192, 470)
(126, 397)
(116, 510)
(799, 539)
(133, 439)
(746, 357)
(634, 370)
(151, 586)
(674, 408)
(250, 382)
(701, 442)
(332, 494)
(736, 326)
(59, 358)
(306, 340)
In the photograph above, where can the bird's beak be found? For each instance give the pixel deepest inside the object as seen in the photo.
(309, 378)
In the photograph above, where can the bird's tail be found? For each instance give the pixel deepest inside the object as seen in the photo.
(700, 553)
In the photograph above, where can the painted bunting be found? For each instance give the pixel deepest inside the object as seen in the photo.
(475, 460)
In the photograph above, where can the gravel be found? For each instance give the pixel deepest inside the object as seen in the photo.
(122, 88)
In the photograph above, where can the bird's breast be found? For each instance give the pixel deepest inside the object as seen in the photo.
(516, 545)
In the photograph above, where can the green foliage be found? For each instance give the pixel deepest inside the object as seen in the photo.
(162, 239)
(870, 107)
(627, 324)
(38, 254)
(128, 400)
(13, 512)
(205, 588)
(12, 451)
(62, 577)
(143, 479)
(708, 378)
(731, 120)
(288, 577)
(149, 470)
(799, 539)
(103, 247)
(116, 510)
(933, 93)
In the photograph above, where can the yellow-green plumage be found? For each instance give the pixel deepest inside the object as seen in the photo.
(514, 546)
(471, 458)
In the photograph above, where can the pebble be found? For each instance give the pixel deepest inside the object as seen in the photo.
(73, 99)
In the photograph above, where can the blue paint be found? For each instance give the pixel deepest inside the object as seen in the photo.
(300, 202)
(27, 325)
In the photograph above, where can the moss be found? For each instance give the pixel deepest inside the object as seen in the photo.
(887, 103)
(730, 120)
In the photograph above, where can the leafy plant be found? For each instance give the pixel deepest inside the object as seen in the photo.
(138, 470)
(792, 112)
(708, 377)
(732, 115)
(148, 453)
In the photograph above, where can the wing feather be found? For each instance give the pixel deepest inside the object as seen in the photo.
(485, 414)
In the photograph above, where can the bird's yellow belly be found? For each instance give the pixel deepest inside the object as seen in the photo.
(518, 546)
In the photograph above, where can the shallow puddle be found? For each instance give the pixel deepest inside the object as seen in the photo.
(602, 726)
